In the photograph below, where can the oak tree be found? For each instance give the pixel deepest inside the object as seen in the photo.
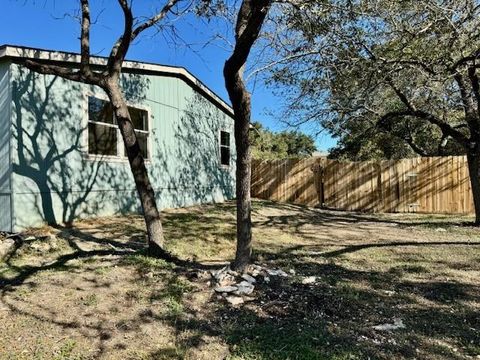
(408, 67)
(108, 78)
(250, 18)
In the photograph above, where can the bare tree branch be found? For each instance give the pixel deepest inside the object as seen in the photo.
(85, 38)
(432, 119)
(155, 19)
(50, 69)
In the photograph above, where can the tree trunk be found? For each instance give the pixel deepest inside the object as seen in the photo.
(473, 159)
(250, 18)
(240, 99)
(140, 174)
(244, 203)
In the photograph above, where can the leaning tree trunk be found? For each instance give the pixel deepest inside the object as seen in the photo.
(251, 15)
(473, 159)
(240, 99)
(139, 171)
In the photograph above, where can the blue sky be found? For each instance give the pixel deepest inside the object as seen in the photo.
(44, 24)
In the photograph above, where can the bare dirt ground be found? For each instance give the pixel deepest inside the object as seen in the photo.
(88, 292)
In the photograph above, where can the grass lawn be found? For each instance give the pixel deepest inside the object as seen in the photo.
(88, 292)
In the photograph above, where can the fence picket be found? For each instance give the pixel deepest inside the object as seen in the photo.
(428, 185)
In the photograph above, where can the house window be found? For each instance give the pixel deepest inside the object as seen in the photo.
(102, 129)
(104, 137)
(224, 148)
(140, 123)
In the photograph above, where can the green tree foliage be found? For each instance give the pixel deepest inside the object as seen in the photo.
(408, 68)
(387, 78)
(267, 144)
(362, 140)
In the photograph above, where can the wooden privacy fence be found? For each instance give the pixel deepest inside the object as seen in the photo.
(429, 185)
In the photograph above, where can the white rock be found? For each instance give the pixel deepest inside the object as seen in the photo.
(244, 288)
(276, 272)
(291, 271)
(440, 230)
(232, 273)
(223, 277)
(397, 324)
(6, 246)
(271, 272)
(225, 280)
(309, 280)
(219, 273)
(234, 300)
(249, 278)
(225, 289)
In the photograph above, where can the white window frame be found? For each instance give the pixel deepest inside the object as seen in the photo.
(220, 148)
(120, 157)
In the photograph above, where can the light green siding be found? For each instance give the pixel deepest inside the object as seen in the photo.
(53, 179)
(5, 165)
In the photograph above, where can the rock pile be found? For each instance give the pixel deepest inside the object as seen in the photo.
(237, 288)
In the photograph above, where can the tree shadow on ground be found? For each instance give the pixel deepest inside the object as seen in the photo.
(332, 318)
(109, 236)
(298, 219)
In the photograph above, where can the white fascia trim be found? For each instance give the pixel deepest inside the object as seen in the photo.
(55, 56)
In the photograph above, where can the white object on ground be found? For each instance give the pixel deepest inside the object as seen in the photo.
(244, 288)
(234, 300)
(309, 280)
(276, 272)
(6, 247)
(249, 278)
(225, 289)
(397, 324)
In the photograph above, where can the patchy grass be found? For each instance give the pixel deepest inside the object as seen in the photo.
(145, 263)
(90, 291)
